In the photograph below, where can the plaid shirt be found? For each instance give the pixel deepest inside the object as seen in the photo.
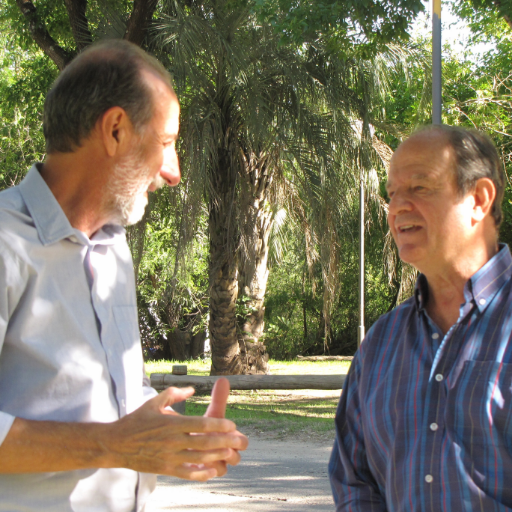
(425, 420)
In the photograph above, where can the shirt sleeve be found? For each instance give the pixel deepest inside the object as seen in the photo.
(13, 278)
(353, 485)
(147, 391)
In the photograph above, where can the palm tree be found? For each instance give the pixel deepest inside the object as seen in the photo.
(255, 116)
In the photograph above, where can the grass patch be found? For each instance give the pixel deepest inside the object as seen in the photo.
(194, 366)
(268, 414)
(202, 367)
(296, 414)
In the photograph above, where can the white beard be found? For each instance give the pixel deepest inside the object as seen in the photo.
(133, 212)
(128, 191)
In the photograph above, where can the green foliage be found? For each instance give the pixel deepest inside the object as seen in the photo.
(275, 413)
(25, 77)
(408, 102)
(349, 25)
(172, 289)
(275, 62)
(486, 18)
(294, 301)
(481, 96)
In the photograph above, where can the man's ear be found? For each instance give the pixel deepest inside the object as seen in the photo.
(484, 194)
(115, 130)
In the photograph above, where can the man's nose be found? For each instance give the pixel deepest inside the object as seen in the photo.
(399, 203)
(170, 170)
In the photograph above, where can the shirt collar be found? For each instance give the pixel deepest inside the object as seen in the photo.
(485, 284)
(51, 222)
(482, 286)
(421, 292)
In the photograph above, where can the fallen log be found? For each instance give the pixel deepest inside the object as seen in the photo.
(202, 384)
(325, 358)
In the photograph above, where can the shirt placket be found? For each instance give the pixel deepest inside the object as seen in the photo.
(102, 316)
(435, 405)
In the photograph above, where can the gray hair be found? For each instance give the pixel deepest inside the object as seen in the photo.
(105, 75)
(475, 157)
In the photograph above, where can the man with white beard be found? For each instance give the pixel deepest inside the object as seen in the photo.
(80, 427)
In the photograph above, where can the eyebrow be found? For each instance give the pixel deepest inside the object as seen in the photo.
(420, 176)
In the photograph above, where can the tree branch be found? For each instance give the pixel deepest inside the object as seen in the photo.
(506, 17)
(41, 36)
(79, 23)
(508, 20)
(139, 20)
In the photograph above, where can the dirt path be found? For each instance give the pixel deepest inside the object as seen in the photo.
(275, 476)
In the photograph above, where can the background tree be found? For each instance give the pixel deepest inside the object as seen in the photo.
(61, 29)
(271, 93)
(482, 14)
(254, 107)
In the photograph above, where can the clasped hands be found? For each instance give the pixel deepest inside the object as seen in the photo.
(155, 439)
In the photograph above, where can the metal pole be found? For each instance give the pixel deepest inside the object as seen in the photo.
(360, 330)
(436, 62)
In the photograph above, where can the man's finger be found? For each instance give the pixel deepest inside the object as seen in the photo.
(207, 457)
(198, 473)
(233, 459)
(172, 395)
(220, 394)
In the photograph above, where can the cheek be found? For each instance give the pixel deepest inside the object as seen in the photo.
(391, 224)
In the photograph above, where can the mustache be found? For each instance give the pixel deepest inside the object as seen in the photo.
(158, 182)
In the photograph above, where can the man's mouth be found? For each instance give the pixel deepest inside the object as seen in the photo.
(408, 228)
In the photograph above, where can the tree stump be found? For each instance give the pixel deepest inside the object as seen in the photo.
(254, 358)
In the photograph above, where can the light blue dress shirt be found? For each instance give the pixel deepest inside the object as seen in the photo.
(69, 345)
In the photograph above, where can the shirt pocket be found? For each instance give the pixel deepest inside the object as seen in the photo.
(479, 411)
(479, 423)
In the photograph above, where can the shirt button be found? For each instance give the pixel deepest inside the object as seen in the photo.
(434, 426)
(435, 336)
(73, 238)
(482, 302)
(439, 377)
(429, 479)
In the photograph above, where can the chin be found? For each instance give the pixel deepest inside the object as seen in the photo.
(131, 212)
(137, 211)
(410, 256)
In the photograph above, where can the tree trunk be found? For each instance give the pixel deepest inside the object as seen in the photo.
(136, 29)
(79, 23)
(197, 344)
(204, 384)
(60, 56)
(253, 266)
(179, 344)
(223, 269)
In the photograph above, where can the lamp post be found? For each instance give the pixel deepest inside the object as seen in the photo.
(436, 62)
(360, 329)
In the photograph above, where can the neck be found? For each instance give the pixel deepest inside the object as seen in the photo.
(446, 287)
(77, 188)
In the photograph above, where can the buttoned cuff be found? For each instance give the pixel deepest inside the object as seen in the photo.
(6, 421)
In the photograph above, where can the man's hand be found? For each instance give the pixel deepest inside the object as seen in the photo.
(154, 439)
(217, 409)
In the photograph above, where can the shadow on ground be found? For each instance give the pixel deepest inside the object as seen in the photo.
(274, 476)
